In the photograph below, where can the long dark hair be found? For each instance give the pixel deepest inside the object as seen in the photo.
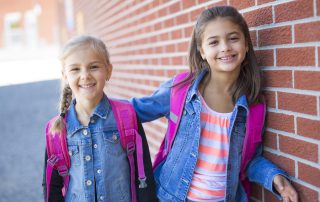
(249, 80)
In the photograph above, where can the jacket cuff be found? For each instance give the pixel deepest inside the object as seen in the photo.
(269, 183)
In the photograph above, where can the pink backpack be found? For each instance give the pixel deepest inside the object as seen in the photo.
(254, 127)
(125, 116)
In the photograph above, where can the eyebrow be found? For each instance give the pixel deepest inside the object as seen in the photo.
(94, 62)
(72, 65)
(76, 64)
(231, 33)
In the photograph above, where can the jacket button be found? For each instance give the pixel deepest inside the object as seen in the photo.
(99, 171)
(88, 158)
(95, 146)
(85, 132)
(88, 182)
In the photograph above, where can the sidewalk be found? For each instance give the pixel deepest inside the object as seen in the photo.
(27, 101)
(24, 111)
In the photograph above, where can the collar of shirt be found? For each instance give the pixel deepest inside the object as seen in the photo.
(73, 125)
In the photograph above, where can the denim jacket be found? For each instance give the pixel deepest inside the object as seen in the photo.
(174, 175)
(100, 169)
(94, 150)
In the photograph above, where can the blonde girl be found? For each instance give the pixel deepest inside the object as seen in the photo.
(99, 168)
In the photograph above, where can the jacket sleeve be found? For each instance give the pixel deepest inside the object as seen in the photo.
(154, 106)
(56, 184)
(262, 171)
(147, 194)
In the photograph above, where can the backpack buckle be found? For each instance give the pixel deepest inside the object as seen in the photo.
(131, 146)
(142, 182)
(52, 160)
(63, 170)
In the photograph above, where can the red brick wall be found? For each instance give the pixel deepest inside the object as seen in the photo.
(148, 41)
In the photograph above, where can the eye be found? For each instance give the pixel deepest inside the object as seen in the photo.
(94, 67)
(74, 69)
(213, 43)
(234, 39)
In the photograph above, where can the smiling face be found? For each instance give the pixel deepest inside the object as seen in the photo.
(86, 73)
(223, 46)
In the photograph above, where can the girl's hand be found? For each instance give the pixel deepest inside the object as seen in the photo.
(286, 190)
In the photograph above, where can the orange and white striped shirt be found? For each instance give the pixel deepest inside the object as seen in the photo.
(209, 178)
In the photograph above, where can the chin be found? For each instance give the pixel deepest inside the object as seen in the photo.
(228, 68)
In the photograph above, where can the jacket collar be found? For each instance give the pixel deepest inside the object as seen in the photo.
(73, 125)
(193, 90)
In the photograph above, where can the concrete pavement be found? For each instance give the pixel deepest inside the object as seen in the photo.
(24, 111)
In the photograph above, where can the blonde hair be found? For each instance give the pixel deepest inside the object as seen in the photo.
(72, 45)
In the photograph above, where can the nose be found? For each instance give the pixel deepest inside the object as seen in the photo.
(85, 73)
(224, 46)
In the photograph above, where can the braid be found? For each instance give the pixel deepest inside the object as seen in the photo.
(66, 98)
(65, 101)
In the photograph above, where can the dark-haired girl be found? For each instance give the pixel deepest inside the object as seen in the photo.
(205, 159)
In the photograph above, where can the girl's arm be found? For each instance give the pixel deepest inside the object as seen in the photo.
(154, 106)
(56, 184)
(148, 194)
(263, 172)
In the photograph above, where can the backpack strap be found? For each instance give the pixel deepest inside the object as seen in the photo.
(178, 96)
(130, 140)
(253, 137)
(58, 156)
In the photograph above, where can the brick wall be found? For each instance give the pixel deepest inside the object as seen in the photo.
(148, 41)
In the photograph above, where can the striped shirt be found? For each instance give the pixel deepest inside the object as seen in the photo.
(209, 178)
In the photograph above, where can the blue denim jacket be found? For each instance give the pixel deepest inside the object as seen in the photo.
(98, 162)
(174, 175)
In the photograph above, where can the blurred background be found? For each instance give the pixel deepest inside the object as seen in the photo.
(31, 32)
(148, 44)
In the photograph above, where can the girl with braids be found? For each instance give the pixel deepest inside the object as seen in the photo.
(204, 162)
(100, 169)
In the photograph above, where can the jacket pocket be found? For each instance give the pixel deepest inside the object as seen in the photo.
(112, 142)
(73, 151)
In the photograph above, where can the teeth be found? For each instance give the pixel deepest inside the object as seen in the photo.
(87, 85)
(226, 58)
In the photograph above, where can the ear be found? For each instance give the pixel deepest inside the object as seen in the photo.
(109, 71)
